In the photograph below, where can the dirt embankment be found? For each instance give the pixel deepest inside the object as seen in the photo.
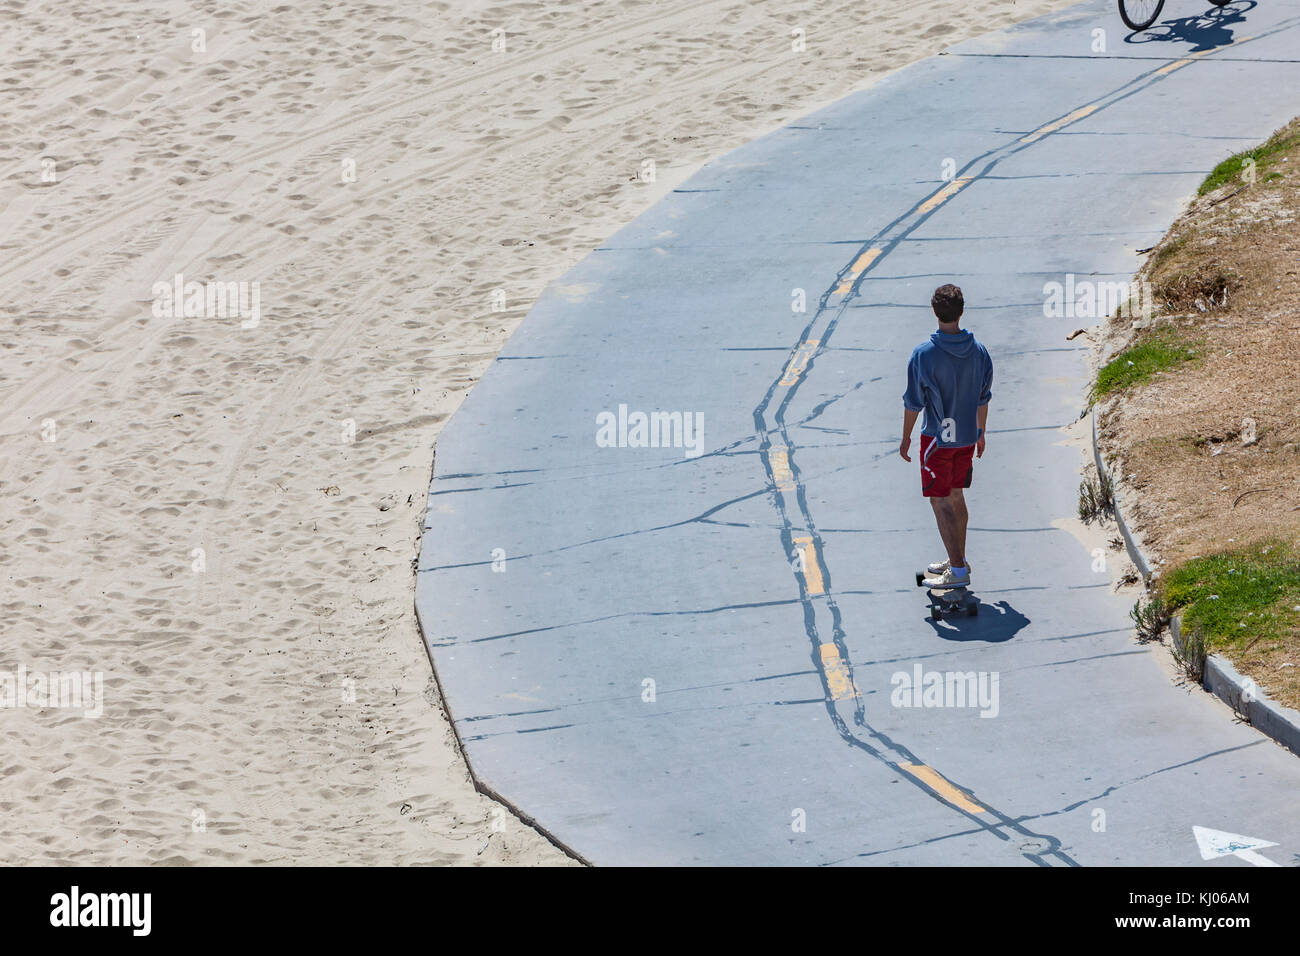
(1199, 412)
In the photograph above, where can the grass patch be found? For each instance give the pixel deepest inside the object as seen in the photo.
(1190, 657)
(1160, 351)
(1096, 497)
(1233, 599)
(1233, 166)
(1149, 617)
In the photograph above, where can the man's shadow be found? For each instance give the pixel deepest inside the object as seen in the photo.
(1206, 31)
(993, 624)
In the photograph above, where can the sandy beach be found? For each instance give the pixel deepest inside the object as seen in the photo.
(250, 262)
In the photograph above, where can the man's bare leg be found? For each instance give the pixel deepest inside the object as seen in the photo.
(958, 501)
(950, 528)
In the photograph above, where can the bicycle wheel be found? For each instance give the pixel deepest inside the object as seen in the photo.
(1140, 14)
(1220, 3)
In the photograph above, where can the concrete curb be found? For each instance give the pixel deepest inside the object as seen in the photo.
(1220, 678)
(526, 818)
(1130, 543)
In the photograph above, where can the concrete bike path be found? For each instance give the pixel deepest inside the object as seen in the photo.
(670, 658)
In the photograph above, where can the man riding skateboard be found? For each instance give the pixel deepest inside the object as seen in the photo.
(950, 377)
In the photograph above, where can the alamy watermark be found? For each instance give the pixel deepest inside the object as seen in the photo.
(683, 430)
(73, 690)
(921, 688)
(1077, 298)
(208, 300)
(127, 910)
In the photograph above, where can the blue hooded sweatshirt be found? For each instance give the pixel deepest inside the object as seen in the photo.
(949, 377)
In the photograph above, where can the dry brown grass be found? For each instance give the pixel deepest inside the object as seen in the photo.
(1228, 273)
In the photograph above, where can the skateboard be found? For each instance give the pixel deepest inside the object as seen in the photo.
(945, 601)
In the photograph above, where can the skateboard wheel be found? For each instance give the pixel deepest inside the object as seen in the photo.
(936, 614)
(919, 578)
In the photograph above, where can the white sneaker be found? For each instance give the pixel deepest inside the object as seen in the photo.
(938, 567)
(948, 580)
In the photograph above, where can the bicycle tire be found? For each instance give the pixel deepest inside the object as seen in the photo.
(1133, 23)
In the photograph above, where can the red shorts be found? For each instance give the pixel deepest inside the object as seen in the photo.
(943, 469)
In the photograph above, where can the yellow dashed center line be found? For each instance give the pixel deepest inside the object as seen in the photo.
(837, 673)
(859, 266)
(1052, 127)
(798, 362)
(781, 473)
(936, 782)
(1172, 66)
(865, 260)
(812, 569)
(944, 194)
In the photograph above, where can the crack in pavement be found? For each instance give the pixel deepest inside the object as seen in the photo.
(453, 642)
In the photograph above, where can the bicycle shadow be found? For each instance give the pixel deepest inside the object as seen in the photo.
(994, 624)
(1203, 32)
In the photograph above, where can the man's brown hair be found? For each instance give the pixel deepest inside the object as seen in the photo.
(947, 303)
